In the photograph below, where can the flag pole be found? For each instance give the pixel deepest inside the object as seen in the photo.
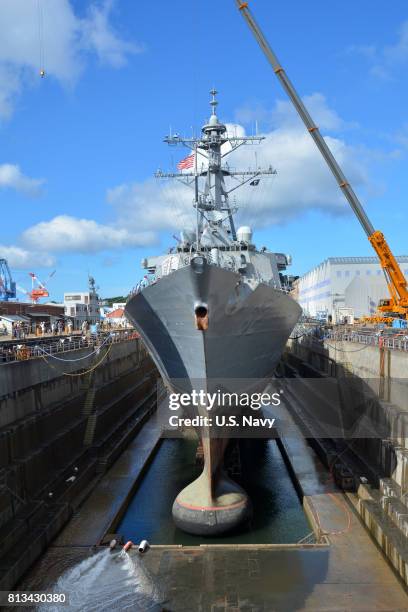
(196, 196)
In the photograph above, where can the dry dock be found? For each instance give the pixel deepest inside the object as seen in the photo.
(342, 566)
(346, 571)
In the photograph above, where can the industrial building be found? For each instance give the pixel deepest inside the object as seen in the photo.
(340, 283)
(82, 306)
(28, 314)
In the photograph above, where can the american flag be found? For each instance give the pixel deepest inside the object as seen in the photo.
(187, 162)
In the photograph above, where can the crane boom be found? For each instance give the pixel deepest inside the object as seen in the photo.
(7, 285)
(396, 282)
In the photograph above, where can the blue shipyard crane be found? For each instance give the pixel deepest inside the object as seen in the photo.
(7, 285)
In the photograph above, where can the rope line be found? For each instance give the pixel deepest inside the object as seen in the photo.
(352, 351)
(80, 373)
(330, 345)
(347, 513)
(95, 351)
(300, 336)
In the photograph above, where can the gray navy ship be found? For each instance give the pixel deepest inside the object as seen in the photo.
(215, 313)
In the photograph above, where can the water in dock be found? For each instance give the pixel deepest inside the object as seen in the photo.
(278, 516)
(108, 581)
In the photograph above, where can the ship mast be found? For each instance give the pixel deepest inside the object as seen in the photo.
(212, 202)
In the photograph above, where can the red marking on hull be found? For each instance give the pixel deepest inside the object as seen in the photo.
(212, 508)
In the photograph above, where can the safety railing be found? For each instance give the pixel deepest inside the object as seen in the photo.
(392, 341)
(21, 351)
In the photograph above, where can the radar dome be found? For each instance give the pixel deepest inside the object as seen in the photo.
(244, 234)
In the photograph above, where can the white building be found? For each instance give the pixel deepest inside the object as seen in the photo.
(117, 318)
(344, 282)
(7, 321)
(81, 306)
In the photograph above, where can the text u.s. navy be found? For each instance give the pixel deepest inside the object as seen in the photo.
(221, 420)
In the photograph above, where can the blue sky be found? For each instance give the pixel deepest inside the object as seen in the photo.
(80, 146)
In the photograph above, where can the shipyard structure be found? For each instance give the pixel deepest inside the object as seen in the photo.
(342, 287)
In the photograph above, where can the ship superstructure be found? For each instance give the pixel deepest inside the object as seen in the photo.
(214, 312)
(215, 235)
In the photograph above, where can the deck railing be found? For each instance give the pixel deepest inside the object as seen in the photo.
(396, 341)
(21, 351)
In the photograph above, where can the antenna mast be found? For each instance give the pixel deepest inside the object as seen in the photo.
(212, 202)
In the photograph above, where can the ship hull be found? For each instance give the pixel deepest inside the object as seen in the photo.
(240, 348)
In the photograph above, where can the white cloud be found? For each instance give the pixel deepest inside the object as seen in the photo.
(153, 206)
(385, 60)
(401, 137)
(98, 36)
(399, 51)
(69, 234)
(142, 210)
(22, 259)
(367, 51)
(12, 177)
(64, 46)
(303, 181)
(283, 115)
(10, 86)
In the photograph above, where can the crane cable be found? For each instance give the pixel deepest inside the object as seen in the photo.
(41, 38)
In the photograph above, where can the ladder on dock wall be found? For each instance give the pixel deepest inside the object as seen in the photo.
(89, 410)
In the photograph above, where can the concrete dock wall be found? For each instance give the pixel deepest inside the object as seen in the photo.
(24, 384)
(384, 370)
(61, 427)
(383, 505)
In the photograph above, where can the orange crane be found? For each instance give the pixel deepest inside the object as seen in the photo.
(38, 289)
(397, 303)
